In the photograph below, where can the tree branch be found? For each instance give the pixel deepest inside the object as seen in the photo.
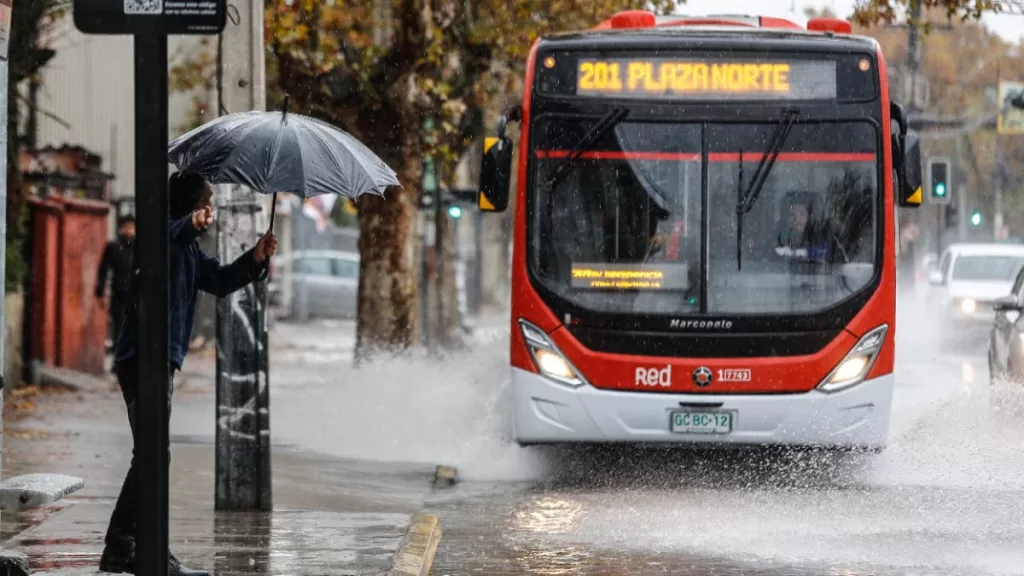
(414, 23)
(24, 99)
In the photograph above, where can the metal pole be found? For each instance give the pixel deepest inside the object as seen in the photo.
(439, 319)
(152, 263)
(424, 279)
(914, 52)
(961, 192)
(478, 266)
(6, 5)
(243, 411)
(997, 218)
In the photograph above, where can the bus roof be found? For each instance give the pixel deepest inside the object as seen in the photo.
(718, 31)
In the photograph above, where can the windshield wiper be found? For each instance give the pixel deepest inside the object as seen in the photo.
(764, 167)
(606, 123)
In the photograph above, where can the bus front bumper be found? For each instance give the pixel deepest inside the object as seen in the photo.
(550, 413)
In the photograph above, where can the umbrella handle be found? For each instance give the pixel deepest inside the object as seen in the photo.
(273, 211)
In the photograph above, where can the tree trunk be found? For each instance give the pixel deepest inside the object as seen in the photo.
(389, 253)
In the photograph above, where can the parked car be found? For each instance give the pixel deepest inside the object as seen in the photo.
(1006, 340)
(325, 283)
(968, 281)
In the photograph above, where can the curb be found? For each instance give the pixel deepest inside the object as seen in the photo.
(71, 380)
(416, 554)
(13, 563)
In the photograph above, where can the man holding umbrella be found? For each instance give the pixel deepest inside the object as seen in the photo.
(192, 270)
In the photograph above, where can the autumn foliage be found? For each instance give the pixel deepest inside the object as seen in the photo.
(380, 70)
(964, 62)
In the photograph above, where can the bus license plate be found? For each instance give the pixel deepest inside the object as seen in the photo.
(701, 422)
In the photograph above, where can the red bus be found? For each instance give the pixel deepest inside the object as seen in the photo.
(705, 233)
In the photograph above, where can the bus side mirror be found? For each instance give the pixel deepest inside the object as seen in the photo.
(496, 166)
(906, 159)
(495, 174)
(910, 188)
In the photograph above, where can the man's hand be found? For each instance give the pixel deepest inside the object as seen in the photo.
(202, 219)
(265, 248)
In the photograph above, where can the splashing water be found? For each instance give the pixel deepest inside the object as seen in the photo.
(454, 411)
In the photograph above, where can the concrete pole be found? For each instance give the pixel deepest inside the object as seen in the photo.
(243, 411)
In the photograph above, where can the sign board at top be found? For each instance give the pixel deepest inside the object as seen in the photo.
(150, 17)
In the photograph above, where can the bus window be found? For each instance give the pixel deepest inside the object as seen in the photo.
(814, 221)
(621, 232)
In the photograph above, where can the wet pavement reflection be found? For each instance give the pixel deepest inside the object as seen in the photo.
(946, 497)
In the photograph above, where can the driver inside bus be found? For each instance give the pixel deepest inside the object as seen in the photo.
(799, 237)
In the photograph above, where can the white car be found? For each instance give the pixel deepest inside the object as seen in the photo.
(325, 283)
(969, 278)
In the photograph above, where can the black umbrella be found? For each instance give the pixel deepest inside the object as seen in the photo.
(273, 152)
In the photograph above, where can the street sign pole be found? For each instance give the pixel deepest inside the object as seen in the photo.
(152, 263)
(150, 23)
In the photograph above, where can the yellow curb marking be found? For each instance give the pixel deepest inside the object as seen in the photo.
(416, 554)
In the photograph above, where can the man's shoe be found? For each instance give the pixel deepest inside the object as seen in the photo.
(176, 569)
(115, 561)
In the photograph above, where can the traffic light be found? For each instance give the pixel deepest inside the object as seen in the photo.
(454, 212)
(976, 218)
(938, 180)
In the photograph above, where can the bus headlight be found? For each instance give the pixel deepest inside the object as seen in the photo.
(968, 306)
(857, 363)
(548, 359)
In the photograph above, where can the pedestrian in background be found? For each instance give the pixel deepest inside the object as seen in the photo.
(115, 266)
(191, 270)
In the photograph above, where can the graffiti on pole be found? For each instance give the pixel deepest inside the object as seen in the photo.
(1011, 116)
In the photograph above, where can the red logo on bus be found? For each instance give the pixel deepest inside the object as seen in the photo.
(702, 376)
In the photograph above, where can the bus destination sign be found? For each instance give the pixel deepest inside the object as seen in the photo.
(672, 78)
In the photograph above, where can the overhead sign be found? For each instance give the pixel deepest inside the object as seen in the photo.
(691, 78)
(156, 17)
(1011, 118)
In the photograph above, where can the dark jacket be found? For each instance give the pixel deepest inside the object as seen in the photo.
(191, 270)
(116, 261)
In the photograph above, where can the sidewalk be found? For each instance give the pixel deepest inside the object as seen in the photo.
(330, 516)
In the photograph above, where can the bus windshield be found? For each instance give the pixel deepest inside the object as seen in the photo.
(647, 219)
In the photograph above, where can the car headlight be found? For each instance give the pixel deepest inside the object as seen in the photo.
(857, 363)
(968, 306)
(548, 359)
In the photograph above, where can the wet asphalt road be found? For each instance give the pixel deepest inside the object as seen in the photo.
(947, 497)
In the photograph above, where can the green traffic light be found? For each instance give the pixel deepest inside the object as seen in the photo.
(454, 211)
(940, 189)
(976, 218)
